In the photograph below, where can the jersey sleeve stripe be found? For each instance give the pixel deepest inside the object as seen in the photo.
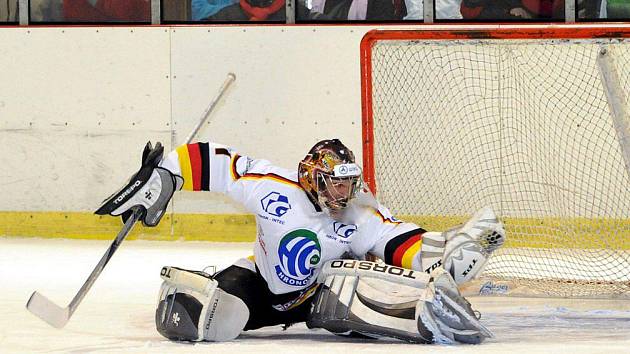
(195, 164)
(235, 174)
(184, 164)
(222, 151)
(407, 258)
(398, 243)
(403, 249)
(205, 166)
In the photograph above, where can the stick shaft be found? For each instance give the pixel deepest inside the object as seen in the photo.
(57, 316)
(104, 260)
(206, 113)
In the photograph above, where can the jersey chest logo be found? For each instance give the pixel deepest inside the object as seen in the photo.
(343, 230)
(299, 252)
(275, 204)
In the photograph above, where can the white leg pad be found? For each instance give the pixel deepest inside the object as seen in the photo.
(379, 300)
(192, 307)
(370, 299)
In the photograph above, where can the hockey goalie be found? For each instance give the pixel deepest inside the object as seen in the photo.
(315, 227)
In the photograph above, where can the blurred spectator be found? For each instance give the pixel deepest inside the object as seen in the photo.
(107, 10)
(444, 10)
(252, 10)
(46, 10)
(176, 10)
(591, 9)
(616, 9)
(494, 10)
(9, 11)
(256, 10)
(448, 9)
(202, 9)
(415, 9)
(358, 10)
(603, 9)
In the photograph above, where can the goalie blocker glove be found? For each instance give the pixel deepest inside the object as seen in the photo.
(151, 188)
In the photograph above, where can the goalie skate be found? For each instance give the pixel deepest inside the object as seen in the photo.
(449, 316)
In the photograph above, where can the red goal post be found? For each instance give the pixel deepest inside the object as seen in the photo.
(531, 119)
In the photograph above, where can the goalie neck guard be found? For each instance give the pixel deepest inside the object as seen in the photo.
(330, 175)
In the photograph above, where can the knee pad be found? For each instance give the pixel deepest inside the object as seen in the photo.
(191, 307)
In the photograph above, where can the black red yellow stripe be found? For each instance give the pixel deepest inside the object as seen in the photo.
(235, 174)
(401, 250)
(194, 162)
(205, 166)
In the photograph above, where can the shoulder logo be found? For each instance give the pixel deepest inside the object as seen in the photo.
(248, 164)
(392, 218)
(343, 230)
(299, 252)
(275, 204)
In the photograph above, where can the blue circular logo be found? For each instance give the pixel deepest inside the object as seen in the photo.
(299, 251)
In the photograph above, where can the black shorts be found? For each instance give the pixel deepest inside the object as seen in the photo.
(265, 308)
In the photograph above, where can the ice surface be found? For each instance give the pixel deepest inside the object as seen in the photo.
(117, 314)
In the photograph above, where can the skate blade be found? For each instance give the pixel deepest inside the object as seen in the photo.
(473, 320)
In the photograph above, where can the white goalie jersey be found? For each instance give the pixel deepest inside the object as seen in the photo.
(295, 238)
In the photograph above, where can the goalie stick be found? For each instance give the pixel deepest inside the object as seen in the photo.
(58, 316)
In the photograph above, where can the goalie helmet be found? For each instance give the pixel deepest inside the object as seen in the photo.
(330, 175)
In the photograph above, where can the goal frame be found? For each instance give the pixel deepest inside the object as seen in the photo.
(461, 32)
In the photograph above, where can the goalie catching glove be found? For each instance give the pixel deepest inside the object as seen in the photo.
(464, 250)
(150, 189)
(469, 246)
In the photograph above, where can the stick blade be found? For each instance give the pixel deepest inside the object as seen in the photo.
(48, 311)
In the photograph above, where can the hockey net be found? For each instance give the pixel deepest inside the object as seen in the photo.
(530, 120)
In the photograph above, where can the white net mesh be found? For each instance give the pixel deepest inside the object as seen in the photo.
(523, 126)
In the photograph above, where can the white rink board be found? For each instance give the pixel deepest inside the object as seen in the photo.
(76, 107)
(77, 104)
(294, 87)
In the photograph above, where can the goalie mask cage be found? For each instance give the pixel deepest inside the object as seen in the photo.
(531, 120)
